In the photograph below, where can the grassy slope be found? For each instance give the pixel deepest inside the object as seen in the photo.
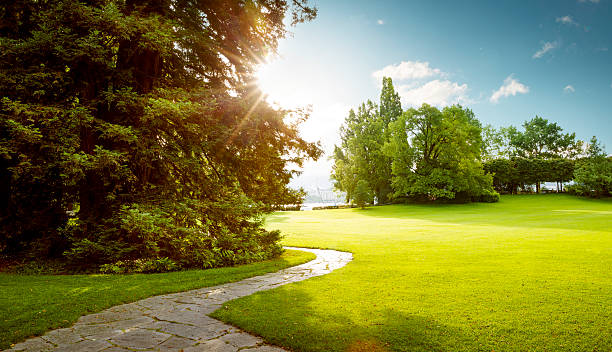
(31, 305)
(528, 273)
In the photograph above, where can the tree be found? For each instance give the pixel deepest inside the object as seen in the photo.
(362, 194)
(436, 154)
(593, 177)
(512, 174)
(541, 139)
(141, 118)
(363, 135)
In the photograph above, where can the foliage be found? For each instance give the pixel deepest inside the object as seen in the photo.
(158, 265)
(130, 129)
(362, 194)
(436, 154)
(593, 177)
(361, 155)
(541, 139)
(516, 173)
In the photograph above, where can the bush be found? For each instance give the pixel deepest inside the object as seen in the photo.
(158, 265)
(148, 240)
(489, 197)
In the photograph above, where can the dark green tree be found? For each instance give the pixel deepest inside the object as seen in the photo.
(361, 155)
(593, 176)
(541, 139)
(437, 154)
(362, 194)
(140, 117)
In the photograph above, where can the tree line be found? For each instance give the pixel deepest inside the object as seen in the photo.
(388, 154)
(131, 132)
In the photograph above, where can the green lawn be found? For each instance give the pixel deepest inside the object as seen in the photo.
(530, 273)
(33, 304)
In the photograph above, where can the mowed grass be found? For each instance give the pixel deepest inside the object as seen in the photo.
(530, 273)
(33, 304)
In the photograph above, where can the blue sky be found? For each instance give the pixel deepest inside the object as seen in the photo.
(506, 60)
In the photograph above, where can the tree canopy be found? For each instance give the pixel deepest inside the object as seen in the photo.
(437, 154)
(132, 129)
(423, 152)
(541, 139)
(361, 155)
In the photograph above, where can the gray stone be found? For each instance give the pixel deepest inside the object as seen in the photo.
(212, 346)
(175, 343)
(86, 345)
(33, 344)
(241, 339)
(139, 339)
(62, 337)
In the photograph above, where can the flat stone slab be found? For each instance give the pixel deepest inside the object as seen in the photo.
(179, 321)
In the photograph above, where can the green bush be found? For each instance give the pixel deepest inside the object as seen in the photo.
(158, 265)
(489, 197)
(148, 240)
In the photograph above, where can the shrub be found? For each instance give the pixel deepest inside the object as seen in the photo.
(489, 197)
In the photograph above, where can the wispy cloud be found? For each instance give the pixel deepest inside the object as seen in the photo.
(380, 22)
(546, 47)
(511, 86)
(567, 20)
(569, 89)
(591, 1)
(407, 70)
(438, 93)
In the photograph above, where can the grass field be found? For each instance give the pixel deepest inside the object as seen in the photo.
(33, 304)
(530, 273)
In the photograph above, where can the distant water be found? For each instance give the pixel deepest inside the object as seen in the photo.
(309, 206)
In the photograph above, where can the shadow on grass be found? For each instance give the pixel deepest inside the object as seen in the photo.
(287, 317)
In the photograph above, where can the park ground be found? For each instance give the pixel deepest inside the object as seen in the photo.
(530, 273)
(33, 304)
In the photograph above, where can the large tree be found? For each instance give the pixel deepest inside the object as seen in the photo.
(140, 117)
(541, 139)
(593, 176)
(360, 157)
(437, 154)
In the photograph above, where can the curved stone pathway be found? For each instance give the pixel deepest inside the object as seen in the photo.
(179, 321)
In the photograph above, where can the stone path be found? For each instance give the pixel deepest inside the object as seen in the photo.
(179, 321)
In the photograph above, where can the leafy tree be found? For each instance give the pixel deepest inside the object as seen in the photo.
(594, 175)
(140, 117)
(512, 174)
(436, 154)
(541, 139)
(361, 156)
(362, 194)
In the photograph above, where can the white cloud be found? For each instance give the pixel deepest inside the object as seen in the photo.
(569, 89)
(407, 70)
(380, 22)
(511, 86)
(592, 1)
(546, 47)
(568, 20)
(436, 92)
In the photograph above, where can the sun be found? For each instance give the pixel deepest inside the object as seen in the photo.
(280, 86)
